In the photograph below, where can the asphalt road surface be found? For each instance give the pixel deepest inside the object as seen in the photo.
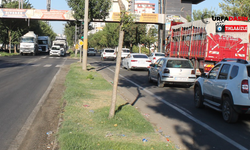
(172, 110)
(23, 81)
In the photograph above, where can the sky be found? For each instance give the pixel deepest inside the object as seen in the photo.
(58, 26)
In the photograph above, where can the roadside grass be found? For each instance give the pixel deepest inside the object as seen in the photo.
(7, 54)
(86, 125)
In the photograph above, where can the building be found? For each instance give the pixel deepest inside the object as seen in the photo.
(97, 26)
(144, 7)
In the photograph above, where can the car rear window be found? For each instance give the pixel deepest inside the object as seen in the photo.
(140, 56)
(179, 64)
(91, 49)
(126, 51)
(159, 54)
(109, 51)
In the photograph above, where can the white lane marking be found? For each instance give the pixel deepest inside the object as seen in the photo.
(47, 65)
(36, 65)
(188, 115)
(58, 66)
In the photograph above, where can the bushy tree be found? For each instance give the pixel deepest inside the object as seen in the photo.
(235, 7)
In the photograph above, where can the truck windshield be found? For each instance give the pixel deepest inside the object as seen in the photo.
(42, 42)
(27, 40)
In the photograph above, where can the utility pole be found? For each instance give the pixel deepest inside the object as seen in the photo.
(48, 5)
(85, 42)
(76, 40)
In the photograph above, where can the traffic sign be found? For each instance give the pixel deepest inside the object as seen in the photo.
(81, 42)
(76, 46)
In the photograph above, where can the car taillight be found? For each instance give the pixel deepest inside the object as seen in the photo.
(148, 60)
(166, 71)
(114, 53)
(104, 53)
(244, 86)
(154, 58)
(133, 60)
(193, 72)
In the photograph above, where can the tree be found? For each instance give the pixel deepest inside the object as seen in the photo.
(150, 37)
(197, 14)
(13, 29)
(69, 31)
(235, 7)
(98, 9)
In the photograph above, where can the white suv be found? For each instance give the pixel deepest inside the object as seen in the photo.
(225, 88)
(108, 53)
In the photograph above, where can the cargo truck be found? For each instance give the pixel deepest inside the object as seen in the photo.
(44, 44)
(29, 44)
(206, 44)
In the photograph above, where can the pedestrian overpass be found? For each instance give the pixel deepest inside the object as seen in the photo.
(67, 15)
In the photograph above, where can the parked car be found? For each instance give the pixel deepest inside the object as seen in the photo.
(125, 52)
(108, 53)
(225, 88)
(155, 56)
(172, 71)
(136, 61)
(91, 51)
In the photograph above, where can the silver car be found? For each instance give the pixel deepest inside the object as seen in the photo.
(172, 71)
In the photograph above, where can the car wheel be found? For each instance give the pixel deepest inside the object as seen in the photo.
(149, 77)
(160, 84)
(198, 98)
(102, 58)
(228, 113)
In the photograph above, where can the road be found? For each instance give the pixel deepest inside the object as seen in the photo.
(23, 81)
(172, 110)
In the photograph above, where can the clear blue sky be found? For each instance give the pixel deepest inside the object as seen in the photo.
(58, 26)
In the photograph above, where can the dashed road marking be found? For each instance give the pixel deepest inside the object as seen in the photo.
(47, 65)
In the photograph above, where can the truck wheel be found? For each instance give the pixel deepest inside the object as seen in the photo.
(160, 84)
(228, 113)
(198, 98)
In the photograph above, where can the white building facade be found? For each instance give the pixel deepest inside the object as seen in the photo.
(144, 7)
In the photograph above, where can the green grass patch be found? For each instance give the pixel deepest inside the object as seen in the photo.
(7, 54)
(86, 125)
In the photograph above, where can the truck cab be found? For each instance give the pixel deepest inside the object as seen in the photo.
(29, 44)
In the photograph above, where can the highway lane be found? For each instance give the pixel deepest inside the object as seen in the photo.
(172, 109)
(23, 81)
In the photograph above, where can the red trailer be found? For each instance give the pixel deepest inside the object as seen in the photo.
(205, 45)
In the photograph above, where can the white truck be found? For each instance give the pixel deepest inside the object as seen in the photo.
(62, 43)
(29, 43)
(44, 44)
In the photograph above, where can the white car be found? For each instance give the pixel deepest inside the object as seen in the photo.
(155, 56)
(225, 88)
(56, 51)
(125, 52)
(136, 61)
(108, 53)
(172, 71)
(91, 51)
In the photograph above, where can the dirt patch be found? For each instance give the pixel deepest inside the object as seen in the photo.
(41, 134)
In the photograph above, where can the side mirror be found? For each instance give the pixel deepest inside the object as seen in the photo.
(152, 65)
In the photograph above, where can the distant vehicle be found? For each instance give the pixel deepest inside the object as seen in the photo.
(136, 61)
(225, 88)
(57, 50)
(91, 51)
(172, 71)
(125, 52)
(61, 41)
(29, 43)
(44, 44)
(108, 53)
(155, 56)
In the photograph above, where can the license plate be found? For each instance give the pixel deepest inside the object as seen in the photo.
(180, 79)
